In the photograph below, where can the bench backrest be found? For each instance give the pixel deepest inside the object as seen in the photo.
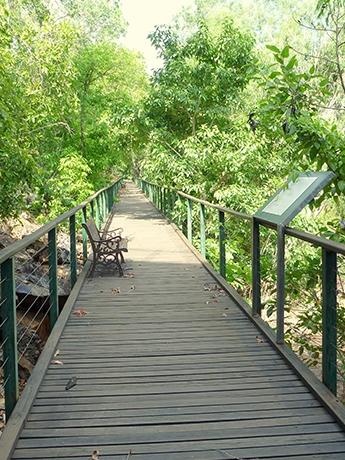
(93, 229)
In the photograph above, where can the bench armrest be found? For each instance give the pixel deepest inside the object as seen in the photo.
(116, 231)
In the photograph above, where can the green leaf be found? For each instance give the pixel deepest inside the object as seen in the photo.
(273, 48)
(274, 74)
(293, 61)
(285, 52)
(341, 185)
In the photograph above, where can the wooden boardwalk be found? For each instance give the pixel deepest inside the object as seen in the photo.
(168, 367)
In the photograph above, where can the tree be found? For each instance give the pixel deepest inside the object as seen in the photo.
(201, 76)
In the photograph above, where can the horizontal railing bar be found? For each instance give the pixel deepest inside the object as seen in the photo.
(299, 234)
(20, 245)
(316, 240)
(234, 213)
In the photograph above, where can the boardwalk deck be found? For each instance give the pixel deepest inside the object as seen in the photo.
(167, 369)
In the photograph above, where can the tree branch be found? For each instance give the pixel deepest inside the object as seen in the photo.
(50, 125)
(331, 61)
(312, 27)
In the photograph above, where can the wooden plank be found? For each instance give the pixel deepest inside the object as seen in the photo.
(184, 432)
(168, 419)
(236, 409)
(192, 450)
(164, 401)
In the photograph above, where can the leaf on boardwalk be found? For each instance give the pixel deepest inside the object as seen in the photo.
(128, 275)
(116, 291)
(80, 312)
(259, 339)
(57, 361)
(129, 454)
(95, 455)
(56, 353)
(132, 288)
(71, 383)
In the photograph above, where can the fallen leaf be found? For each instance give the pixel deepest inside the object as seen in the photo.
(128, 275)
(116, 290)
(95, 455)
(132, 288)
(71, 383)
(56, 353)
(129, 454)
(80, 312)
(56, 361)
(259, 339)
(225, 315)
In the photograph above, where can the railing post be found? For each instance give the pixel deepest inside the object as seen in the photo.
(164, 208)
(329, 319)
(9, 335)
(97, 217)
(53, 286)
(73, 251)
(202, 231)
(280, 284)
(92, 206)
(189, 220)
(84, 218)
(222, 255)
(256, 269)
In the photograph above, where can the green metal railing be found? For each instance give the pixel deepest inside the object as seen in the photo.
(165, 200)
(98, 206)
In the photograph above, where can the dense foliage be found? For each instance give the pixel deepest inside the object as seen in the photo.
(67, 92)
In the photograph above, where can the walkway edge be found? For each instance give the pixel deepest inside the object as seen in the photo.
(15, 424)
(320, 391)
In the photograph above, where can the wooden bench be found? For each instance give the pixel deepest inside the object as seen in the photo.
(107, 248)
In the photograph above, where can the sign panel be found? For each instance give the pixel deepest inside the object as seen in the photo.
(289, 201)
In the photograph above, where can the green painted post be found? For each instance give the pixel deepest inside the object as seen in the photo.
(101, 199)
(9, 334)
(101, 207)
(329, 320)
(256, 276)
(53, 285)
(73, 251)
(281, 284)
(202, 231)
(189, 220)
(92, 205)
(164, 207)
(97, 218)
(84, 219)
(222, 255)
(105, 204)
